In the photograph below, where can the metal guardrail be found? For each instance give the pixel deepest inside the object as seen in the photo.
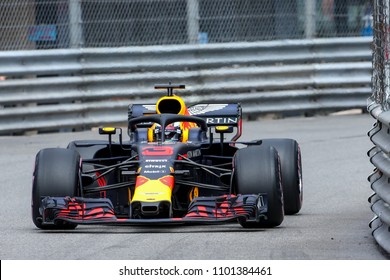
(88, 87)
(380, 178)
(173, 57)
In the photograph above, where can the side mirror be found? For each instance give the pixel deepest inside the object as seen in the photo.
(223, 129)
(110, 131)
(107, 130)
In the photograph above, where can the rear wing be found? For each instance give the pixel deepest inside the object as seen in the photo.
(217, 114)
(214, 114)
(220, 115)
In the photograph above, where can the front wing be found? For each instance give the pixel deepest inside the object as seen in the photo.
(202, 210)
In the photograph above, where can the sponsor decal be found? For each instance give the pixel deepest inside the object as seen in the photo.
(154, 172)
(157, 151)
(155, 166)
(156, 160)
(205, 108)
(43, 32)
(150, 107)
(229, 120)
(194, 153)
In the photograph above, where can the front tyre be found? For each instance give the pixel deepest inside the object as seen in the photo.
(56, 173)
(291, 165)
(256, 171)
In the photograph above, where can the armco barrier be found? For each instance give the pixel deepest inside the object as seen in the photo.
(380, 178)
(82, 88)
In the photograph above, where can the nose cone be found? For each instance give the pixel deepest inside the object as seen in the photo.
(152, 198)
(148, 190)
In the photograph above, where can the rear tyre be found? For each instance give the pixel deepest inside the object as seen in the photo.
(257, 170)
(56, 173)
(291, 165)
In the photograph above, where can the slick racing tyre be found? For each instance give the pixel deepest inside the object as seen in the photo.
(257, 170)
(56, 173)
(290, 160)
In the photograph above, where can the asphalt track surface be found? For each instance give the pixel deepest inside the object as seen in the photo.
(332, 225)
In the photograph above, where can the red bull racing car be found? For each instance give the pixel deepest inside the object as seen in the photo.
(179, 166)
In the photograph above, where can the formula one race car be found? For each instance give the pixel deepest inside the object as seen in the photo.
(177, 168)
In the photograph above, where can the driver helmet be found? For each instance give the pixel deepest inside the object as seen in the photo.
(172, 132)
